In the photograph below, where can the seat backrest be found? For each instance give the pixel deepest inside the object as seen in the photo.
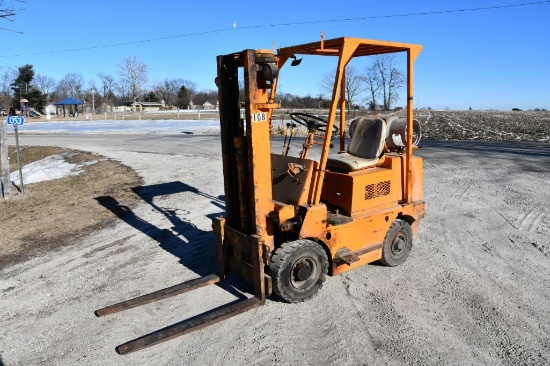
(368, 138)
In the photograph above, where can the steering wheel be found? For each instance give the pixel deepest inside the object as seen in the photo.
(312, 122)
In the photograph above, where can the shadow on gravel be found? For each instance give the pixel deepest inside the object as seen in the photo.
(193, 247)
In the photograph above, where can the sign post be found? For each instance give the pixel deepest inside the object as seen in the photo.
(4, 162)
(18, 121)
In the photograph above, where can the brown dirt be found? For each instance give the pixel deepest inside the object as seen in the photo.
(35, 222)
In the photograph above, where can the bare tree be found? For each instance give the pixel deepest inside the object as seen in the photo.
(6, 77)
(45, 84)
(92, 94)
(200, 98)
(133, 76)
(8, 12)
(108, 85)
(390, 77)
(163, 90)
(168, 90)
(354, 84)
(92, 84)
(72, 85)
(123, 91)
(373, 83)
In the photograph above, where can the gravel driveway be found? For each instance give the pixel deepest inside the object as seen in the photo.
(475, 290)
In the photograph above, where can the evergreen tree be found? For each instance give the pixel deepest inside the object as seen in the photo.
(184, 98)
(151, 97)
(22, 88)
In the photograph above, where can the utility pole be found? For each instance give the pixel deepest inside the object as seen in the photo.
(93, 100)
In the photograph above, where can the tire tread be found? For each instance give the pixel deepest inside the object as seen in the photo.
(278, 260)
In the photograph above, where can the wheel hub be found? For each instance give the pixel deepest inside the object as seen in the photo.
(303, 270)
(398, 244)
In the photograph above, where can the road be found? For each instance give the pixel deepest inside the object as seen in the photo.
(474, 291)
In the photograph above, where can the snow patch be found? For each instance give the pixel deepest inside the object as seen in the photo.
(123, 127)
(49, 168)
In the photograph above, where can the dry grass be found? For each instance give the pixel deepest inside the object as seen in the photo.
(59, 212)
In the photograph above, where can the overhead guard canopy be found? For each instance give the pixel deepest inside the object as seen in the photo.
(365, 47)
(347, 48)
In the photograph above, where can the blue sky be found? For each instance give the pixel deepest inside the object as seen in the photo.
(486, 59)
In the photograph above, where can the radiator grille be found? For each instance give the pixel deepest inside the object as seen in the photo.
(377, 190)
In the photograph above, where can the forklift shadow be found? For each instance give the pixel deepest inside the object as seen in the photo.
(193, 246)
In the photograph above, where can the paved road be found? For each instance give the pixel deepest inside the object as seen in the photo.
(185, 143)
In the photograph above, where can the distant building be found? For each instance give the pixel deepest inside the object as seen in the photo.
(206, 105)
(122, 107)
(138, 106)
(149, 106)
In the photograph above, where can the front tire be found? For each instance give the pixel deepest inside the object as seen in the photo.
(298, 270)
(397, 243)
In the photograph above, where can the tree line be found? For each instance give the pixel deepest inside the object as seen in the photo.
(130, 84)
(375, 88)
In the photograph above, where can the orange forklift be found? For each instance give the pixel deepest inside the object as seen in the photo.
(291, 221)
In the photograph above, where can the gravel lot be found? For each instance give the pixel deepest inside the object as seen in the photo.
(475, 290)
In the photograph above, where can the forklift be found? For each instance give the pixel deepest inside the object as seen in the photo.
(292, 221)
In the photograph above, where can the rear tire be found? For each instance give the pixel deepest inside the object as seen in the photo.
(298, 270)
(397, 243)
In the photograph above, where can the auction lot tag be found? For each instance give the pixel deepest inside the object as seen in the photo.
(16, 121)
(259, 117)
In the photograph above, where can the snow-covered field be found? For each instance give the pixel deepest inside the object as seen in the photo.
(122, 126)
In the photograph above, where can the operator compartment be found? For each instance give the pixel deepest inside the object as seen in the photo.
(370, 174)
(291, 178)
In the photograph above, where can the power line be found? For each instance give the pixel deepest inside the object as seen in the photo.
(439, 12)
(117, 44)
(402, 15)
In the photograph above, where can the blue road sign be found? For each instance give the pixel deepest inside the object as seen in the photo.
(16, 121)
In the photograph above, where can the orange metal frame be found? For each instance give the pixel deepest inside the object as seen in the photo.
(263, 200)
(345, 49)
